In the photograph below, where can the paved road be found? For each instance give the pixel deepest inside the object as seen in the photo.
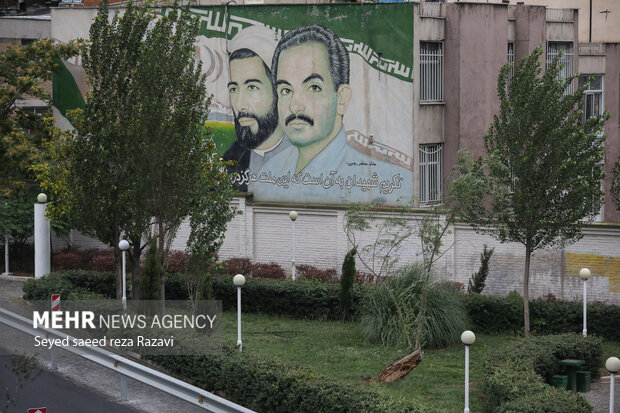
(78, 371)
(57, 393)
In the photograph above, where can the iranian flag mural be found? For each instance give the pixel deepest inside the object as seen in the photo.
(312, 102)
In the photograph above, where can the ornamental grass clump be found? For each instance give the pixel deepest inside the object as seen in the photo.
(392, 311)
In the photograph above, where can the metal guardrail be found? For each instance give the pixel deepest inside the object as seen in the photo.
(128, 368)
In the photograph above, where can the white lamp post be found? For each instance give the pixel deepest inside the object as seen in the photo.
(468, 338)
(293, 216)
(585, 273)
(239, 280)
(42, 247)
(6, 255)
(124, 246)
(613, 366)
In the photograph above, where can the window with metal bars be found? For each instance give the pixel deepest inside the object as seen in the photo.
(566, 48)
(430, 173)
(431, 72)
(593, 96)
(511, 59)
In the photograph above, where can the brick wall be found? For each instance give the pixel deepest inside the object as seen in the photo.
(264, 234)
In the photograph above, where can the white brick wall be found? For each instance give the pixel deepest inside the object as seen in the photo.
(264, 234)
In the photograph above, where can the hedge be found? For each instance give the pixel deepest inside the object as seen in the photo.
(317, 300)
(515, 374)
(298, 299)
(71, 285)
(266, 385)
(490, 314)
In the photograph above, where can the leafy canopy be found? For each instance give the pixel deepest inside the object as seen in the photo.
(23, 71)
(538, 183)
(140, 157)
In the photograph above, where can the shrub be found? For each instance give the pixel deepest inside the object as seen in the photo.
(364, 278)
(246, 267)
(346, 283)
(103, 283)
(266, 385)
(391, 311)
(69, 259)
(309, 272)
(515, 373)
(175, 287)
(176, 262)
(548, 400)
(300, 299)
(101, 260)
(236, 266)
(150, 280)
(476, 284)
(272, 271)
(491, 314)
(71, 285)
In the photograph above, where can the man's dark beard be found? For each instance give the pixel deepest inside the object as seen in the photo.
(266, 125)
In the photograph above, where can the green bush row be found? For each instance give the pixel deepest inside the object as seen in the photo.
(491, 314)
(515, 374)
(316, 300)
(71, 285)
(265, 385)
(299, 299)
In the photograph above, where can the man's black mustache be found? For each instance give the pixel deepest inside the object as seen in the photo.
(301, 116)
(247, 115)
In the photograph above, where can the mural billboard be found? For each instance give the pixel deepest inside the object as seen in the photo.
(312, 102)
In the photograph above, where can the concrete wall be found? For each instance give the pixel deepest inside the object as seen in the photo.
(25, 27)
(264, 234)
(601, 30)
(611, 98)
(476, 49)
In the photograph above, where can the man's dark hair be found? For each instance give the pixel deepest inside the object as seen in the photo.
(246, 54)
(337, 53)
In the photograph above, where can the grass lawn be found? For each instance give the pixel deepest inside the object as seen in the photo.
(335, 350)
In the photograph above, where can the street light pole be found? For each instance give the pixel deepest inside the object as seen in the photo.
(124, 246)
(467, 338)
(293, 216)
(613, 366)
(239, 280)
(6, 255)
(585, 274)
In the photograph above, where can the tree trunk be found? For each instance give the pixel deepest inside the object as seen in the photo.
(526, 293)
(135, 255)
(402, 367)
(118, 264)
(160, 248)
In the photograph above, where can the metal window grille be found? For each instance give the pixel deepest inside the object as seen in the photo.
(566, 48)
(430, 173)
(511, 59)
(431, 72)
(593, 96)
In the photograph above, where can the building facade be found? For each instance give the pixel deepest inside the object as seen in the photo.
(422, 86)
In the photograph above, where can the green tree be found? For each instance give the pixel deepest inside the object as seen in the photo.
(615, 185)
(151, 275)
(346, 283)
(23, 71)
(478, 279)
(140, 157)
(537, 184)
